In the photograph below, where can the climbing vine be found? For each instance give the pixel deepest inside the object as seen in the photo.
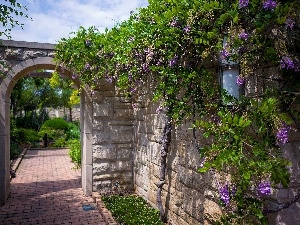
(177, 46)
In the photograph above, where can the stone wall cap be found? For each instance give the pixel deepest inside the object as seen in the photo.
(25, 44)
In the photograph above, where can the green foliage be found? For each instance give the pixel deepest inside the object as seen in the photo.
(131, 210)
(22, 135)
(54, 128)
(73, 131)
(60, 142)
(75, 152)
(68, 95)
(9, 10)
(56, 123)
(175, 47)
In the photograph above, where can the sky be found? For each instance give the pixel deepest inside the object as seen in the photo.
(56, 19)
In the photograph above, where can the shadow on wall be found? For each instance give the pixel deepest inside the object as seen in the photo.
(191, 197)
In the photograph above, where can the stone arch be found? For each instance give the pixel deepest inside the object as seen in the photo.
(17, 72)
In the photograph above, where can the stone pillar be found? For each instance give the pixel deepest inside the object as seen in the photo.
(4, 144)
(112, 140)
(86, 108)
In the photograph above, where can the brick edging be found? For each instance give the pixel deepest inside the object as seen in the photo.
(103, 210)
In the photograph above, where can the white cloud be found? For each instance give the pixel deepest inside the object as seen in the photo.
(55, 19)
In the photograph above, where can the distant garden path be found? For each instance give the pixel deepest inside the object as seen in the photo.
(47, 190)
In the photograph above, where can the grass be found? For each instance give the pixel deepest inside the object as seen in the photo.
(131, 210)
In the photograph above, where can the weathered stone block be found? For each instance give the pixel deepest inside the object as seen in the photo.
(104, 152)
(100, 138)
(101, 109)
(121, 166)
(124, 153)
(102, 186)
(100, 168)
(121, 134)
(125, 114)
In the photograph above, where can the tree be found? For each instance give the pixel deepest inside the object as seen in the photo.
(33, 96)
(68, 95)
(9, 10)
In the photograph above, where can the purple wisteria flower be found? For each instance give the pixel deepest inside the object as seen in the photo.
(287, 63)
(174, 23)
(159, 110)
(134, 105)
(269, 5)
(290, 23)
(133, 90)
(145, 67)
(109, 79)
(87, 66)
(243, 3)
(282, 134)
(88, 42)
(187, 29)
(242, 49)
(240, 81)
(225, 54)
(264, 188)
(243, 35)
(173, 61)
(74, 76)
(224, 194)
(159, 62)
(149, 54)
(215, 119)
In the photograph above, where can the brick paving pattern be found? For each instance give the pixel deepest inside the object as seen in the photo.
(47, 190)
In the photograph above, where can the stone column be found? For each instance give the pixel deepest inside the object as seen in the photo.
(86, 108)
(4, 144)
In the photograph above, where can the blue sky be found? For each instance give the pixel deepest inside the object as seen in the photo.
(55, 19)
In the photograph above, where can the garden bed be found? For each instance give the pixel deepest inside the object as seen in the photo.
(126, 210)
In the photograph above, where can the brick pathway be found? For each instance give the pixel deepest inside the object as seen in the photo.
(47, 191)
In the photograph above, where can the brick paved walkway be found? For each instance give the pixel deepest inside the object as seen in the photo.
(47, 191)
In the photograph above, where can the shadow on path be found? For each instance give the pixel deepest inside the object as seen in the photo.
(47, 190)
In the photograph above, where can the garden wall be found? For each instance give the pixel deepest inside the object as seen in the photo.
(189, 197)
(126, 156)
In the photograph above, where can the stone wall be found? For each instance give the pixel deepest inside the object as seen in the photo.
(189, 197)
(192, 198)
(112, 140)
(60, 112)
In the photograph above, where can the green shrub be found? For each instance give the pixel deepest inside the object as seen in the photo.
(54, 128)
(73, 131)
(75, 152)
(60, 142)
(23, 135)
(56, 123)
(131, 210)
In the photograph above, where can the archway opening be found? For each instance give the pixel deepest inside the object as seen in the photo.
(18, 72)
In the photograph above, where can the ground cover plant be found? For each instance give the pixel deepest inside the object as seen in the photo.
(178, 47)
(131, 210)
